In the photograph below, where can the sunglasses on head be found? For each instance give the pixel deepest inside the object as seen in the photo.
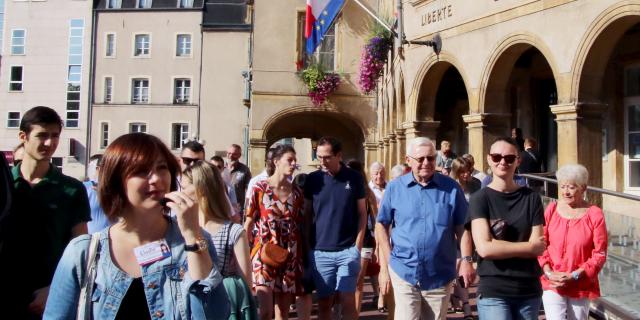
(508, 158)
(421, 159)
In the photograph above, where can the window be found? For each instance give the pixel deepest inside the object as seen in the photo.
(137, 127)
(110, 45)
(114, 4)
(183, 45)
(632, 129)
(325, 52)
(140, 91)
(142, 45)
(185, 3)
(17, 41)
(182, 91)
(179, 134)
(108, 90)
(144, 4)
(15, 83)
(74, 72)
(13, 119)
(73, 105)
(104, 135)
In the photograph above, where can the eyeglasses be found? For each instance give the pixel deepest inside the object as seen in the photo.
(188, 161)
(508, 158)
(421, 159)
(324, 158)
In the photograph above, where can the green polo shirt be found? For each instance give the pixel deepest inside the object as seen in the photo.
(47, 212)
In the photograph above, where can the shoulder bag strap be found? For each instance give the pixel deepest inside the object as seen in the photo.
(84, 302)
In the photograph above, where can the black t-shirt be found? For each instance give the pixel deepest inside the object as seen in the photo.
(521, 209)
(134, 304)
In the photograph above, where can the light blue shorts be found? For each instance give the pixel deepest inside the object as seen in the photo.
(335, 271)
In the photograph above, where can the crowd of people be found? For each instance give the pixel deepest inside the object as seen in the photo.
(153, 235)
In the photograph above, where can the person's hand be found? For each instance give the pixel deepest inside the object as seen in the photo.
(186, 210)
(538, 246)
(467, 272)
(559, 279)
(384, 281)
(39, 301)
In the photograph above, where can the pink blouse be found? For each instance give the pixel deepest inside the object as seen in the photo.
(573, 244)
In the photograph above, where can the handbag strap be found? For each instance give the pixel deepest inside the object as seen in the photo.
(84, 302)
(226, 249)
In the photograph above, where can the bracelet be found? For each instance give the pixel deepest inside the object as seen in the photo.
(575, 275)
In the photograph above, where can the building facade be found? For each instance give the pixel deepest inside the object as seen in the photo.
(280, 107)
(45, 61)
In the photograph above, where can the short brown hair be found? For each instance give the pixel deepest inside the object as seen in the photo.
(126, 156)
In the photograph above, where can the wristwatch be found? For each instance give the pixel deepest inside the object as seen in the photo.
(468, 259)
(200, 245)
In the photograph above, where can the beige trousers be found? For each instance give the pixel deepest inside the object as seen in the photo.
(413, 303)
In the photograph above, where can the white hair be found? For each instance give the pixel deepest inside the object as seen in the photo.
(397, 171)
(376, 166)
(573, 173)
(419, 142)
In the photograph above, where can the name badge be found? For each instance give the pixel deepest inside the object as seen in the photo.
(152, 252)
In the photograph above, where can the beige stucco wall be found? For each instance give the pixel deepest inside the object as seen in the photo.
(161, 67)
(45, 68)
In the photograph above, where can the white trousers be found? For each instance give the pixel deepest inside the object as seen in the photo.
(557, 307)
(413, 303)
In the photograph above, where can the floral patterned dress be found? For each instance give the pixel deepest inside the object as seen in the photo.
(277, 221)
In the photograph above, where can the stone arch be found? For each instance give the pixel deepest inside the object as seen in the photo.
(596, 48)
(315, 122)
(423, 93)
(401, 100)
(500, 64)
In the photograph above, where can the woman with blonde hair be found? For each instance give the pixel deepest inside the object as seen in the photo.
(577, 249)
(204, 183)
(461, 171)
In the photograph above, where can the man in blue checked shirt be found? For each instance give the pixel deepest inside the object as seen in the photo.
(428, 212)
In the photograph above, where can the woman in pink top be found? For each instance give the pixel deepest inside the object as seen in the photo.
(577, 249)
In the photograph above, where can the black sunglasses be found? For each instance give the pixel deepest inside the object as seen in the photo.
(421, 159)
(188, 161)
(508, 158)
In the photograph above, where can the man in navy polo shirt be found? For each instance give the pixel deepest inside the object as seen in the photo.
(428, 211)
(336, 217)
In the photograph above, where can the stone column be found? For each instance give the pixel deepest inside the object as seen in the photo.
(257, 155)
(414, 129)
(393, 152)
(387, 150)
(401, 142)
(580, 136)
(483, 129)
(370, 153)
(380, 151)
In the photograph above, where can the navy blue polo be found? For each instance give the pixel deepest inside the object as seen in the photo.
(335, 207)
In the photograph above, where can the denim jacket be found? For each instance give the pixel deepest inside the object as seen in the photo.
(170, 292)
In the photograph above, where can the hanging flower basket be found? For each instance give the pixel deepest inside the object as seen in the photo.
(374, 56)
(320, 84)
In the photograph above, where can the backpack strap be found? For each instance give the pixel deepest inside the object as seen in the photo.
(84, 302)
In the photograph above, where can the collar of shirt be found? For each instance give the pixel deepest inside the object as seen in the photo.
(374, 186)
(52, 175)
(409, 180)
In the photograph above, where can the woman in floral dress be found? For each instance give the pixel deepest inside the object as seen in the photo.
(275, 210)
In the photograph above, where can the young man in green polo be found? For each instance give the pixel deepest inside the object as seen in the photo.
(48, 210)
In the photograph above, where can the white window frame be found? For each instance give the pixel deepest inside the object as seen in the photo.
(106, 45)
(174, 85)
(107, 93)
(316, 54)
(179, 48)
(138, 123)
(132, 93)
(23, 45)
(11, 81)
(628, 102)
(118, 4)
(104, 135)
(148, 49)
(187, 4)
(9, 112)
(183, 135)
(148, 4)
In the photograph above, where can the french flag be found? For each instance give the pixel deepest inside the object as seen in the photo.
(320, 17)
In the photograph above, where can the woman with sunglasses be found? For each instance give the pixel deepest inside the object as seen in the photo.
(147, 264)
(275, 209)
(202, 181)
(577, 250)
(507, 228)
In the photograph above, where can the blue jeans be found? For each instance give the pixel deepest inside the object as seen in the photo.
(335, 270)
(508, 308)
